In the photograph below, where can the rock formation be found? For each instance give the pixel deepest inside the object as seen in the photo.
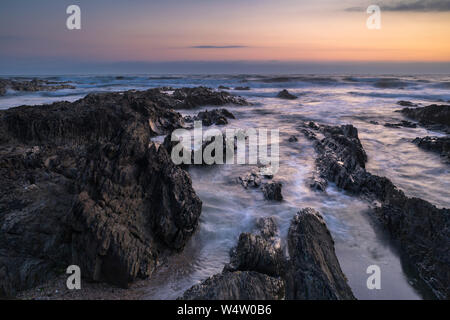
(82, 184)
(284, 94)
(422, 230)
(32, 85)
(314, 272)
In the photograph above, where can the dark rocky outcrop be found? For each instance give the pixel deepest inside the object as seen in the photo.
(272, 191)
(223, 88)
(284, 94)
(82, 184)
(314, 272)
(403, 123)
(238, 285)
(435, 117)
(259, 252)
(440, 145)
(188, 98)
(32, 85)
(242, 88)
(215, 116)
(421, 229)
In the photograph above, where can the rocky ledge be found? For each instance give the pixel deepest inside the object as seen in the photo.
(440, 145)
(421, 229)
(258, 268)
(215, 116)
(434, 117)
(82, 184)
(188, 98)
(32, 85)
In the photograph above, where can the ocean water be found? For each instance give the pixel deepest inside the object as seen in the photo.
(229, 209)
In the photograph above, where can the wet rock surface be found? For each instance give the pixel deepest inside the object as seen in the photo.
(421, 229)
(403, 123)
(32, 85)
(314, 272)
(82, 184)
(434, 117)
(440, 145)
(215, 116)
(259, 252)
(239, 285)
(284, 94)
(272, 191)
(242, 88)
(188, 98)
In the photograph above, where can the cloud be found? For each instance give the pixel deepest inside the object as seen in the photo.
(218, 47)
(412, 5)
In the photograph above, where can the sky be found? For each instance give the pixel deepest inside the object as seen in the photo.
(223, 35)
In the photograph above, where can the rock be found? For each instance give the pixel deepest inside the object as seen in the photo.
(373, 122)
(252, 180)
(272, 191)
(32, 85)
(82, 185)
(267, 228)
(406, 103)
(239, 285)
(188, 98)
(435, 117)
(242, 88)
(403, 123)
(293, 139)
(314, 272)
(341, 159)
(223, 88)
(216, 116)
(259, 252)
(284, 94)
(440, 145)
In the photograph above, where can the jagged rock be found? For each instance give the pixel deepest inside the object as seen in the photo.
(341, 159)
(242, 88)
(215, 116)
(239, 285)
(224, 88)
(284, 94)
(32, 85)
(259, 252)
(272, 191)
(406, 103)
(188, 98)
(435, 117)
(440, 145)
(314, 272)
(267, 228)
(82, 185)
(403, 123)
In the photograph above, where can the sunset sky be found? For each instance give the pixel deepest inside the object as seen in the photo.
(34, 33)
